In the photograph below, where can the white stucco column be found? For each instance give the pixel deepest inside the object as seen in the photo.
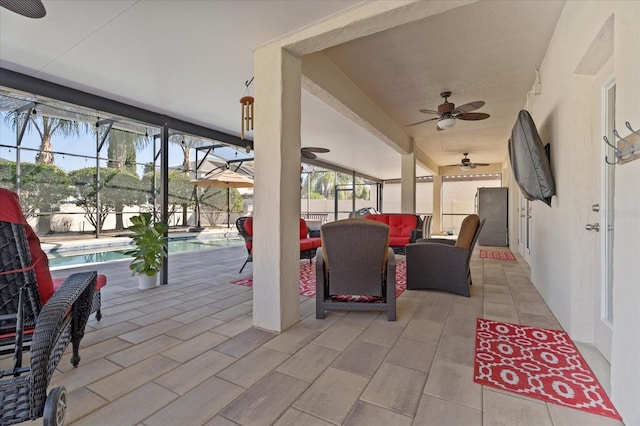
(436, 224)
(276, 244)
(408, 183)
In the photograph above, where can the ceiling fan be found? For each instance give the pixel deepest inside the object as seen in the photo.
(309, 152)
(28, 8)
(448, 113)
(467, 164)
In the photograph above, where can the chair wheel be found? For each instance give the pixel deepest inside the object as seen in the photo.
(55, 407)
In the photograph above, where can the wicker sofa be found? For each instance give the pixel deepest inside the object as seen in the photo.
(308, 244)
(404, 228)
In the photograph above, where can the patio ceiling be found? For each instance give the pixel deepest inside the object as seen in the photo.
(190, 60)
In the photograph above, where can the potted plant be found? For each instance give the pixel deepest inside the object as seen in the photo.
(149, 251)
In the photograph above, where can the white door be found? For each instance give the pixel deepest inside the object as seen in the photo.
(604, 250)
(524, 240)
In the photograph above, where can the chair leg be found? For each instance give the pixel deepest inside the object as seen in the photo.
(245, 264)
(391, 315)
(96, 305)
(76, 336)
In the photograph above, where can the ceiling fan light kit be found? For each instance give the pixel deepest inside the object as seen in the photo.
(446, 123)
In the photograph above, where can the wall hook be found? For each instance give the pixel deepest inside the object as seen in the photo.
(630, 128)
(616, 153)
(625, 149)
(615, 132)
(615, 148)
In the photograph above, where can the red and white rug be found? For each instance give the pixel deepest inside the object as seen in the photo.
(539, 363)
(308, 282)
(497, 254)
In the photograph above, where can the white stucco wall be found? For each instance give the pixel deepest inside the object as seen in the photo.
(563, 254)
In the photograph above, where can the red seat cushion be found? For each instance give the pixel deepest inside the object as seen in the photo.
(248, 226)
(317, 242)
(400, 226)
(399, 241)
(304, 232)
(12, 212)
(383, 218)
(307, 244)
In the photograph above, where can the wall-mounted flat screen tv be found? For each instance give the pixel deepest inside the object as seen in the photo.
(530, 161)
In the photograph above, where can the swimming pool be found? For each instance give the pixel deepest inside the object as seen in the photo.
(86, 254)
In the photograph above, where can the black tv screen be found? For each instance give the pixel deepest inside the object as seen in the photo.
(529, 160)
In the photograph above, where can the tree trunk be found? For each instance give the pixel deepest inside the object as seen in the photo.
(44, 224)
(186, 162)
(45, 156)
(119, 221)
(184, 215)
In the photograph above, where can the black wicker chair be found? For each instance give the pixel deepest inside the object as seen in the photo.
(45, 330)
(355, 260)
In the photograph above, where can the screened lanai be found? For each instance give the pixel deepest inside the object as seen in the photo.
(83, 165)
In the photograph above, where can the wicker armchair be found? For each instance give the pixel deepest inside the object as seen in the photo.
(45, 330)
(442, 264)
(355, 260)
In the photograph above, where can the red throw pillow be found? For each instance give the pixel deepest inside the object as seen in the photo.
(11, 212)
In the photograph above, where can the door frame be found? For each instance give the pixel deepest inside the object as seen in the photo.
(524, 228)
(604, 320)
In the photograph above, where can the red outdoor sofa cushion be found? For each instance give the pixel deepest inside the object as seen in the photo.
(404, 228)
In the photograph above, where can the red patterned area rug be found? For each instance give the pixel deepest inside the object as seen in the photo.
(496, 254)
(308, 282)
(539, 363)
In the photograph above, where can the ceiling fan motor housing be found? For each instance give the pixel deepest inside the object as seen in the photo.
(446, 108)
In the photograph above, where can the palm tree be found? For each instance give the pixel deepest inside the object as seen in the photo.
(121, 152)
(187, 143)
(322, 182)
(46, 128)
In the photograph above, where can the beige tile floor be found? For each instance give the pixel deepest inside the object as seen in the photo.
(187, 354)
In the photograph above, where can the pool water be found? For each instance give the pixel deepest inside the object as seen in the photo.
(106, 254)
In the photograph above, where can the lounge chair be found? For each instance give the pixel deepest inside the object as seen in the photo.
(45, 327)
